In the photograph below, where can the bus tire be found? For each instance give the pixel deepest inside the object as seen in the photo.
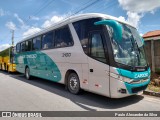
(27, 73)
(73, 83)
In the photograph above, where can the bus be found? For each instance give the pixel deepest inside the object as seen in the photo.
(92, 52)
(7, 60)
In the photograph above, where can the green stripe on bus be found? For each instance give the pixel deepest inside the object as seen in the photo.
(40, 65)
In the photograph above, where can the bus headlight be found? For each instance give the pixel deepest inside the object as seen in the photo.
(124, 79)
(128, 80)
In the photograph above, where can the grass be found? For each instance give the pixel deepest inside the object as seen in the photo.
(153, 88)
(155, 82)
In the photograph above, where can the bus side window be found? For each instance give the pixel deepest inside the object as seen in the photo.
(63, 37)
(83, 27)
(82, 33)
(18, 48)
(36, 45)
(97, 48)
(47, 40)
(28, 45)
(23, 46)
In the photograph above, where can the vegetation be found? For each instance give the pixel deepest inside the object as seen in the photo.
(154, 88)
(155, 82)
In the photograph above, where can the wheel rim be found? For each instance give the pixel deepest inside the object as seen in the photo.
(73, 83)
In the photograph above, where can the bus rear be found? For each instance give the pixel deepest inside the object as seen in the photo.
(7, 60)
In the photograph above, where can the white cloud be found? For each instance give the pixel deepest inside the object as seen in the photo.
(3, 13)
(23, 25)
(136, 9)
(47, 23)
(34, 18)
(139, 6)
(53, 20)
(10, 25)
(141, 34)
(133, 18)
(31, 31)
(18, 18)
(4, 46)
(121, 18)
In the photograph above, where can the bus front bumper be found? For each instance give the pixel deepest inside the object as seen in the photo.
(135, 88)
(120, 89)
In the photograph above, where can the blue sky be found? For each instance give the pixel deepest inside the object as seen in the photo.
(30, 16)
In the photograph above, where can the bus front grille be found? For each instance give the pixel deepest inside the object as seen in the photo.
(137, 89)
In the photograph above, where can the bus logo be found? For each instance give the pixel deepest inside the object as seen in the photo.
(143, 75)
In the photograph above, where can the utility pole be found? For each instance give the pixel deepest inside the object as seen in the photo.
(11, 49)
(12, 37)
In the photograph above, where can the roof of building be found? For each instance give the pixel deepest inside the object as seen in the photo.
(152, 34)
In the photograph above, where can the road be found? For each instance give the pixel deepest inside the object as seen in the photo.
(19, 94)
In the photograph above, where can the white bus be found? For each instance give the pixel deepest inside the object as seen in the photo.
(94, 52)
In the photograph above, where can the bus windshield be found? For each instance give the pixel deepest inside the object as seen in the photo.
(129, 51)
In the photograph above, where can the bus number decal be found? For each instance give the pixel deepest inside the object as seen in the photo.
(66, 54)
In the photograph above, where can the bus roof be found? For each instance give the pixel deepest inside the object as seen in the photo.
(74, 19)
(5, 52)
(11, 46)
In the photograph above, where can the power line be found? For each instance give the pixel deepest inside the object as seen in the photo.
(99, 7)
(93, 6)
(42, 8)
(108, 6)
(6, 36)
(87, 6)
(25, 20)
(36, 13)
(62, 19)
(73, 11)
(83, 8)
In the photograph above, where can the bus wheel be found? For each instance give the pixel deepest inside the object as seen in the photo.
(27, 73)
(73, 83)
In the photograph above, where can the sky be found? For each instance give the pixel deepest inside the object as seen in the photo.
(27, 17)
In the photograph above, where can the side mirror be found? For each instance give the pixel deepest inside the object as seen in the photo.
(116, 27)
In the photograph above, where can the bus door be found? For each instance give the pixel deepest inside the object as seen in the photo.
(98, 67)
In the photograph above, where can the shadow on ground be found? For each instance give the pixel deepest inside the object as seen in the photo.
(84, 100)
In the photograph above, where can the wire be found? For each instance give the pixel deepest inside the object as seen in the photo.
(42, 8)
(108, 6)
(86, 6)
(44, 5)
(6, 36)
(83, 8)
(94, 6)
(91, 4)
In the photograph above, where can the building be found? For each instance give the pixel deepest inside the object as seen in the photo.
(152, 49)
